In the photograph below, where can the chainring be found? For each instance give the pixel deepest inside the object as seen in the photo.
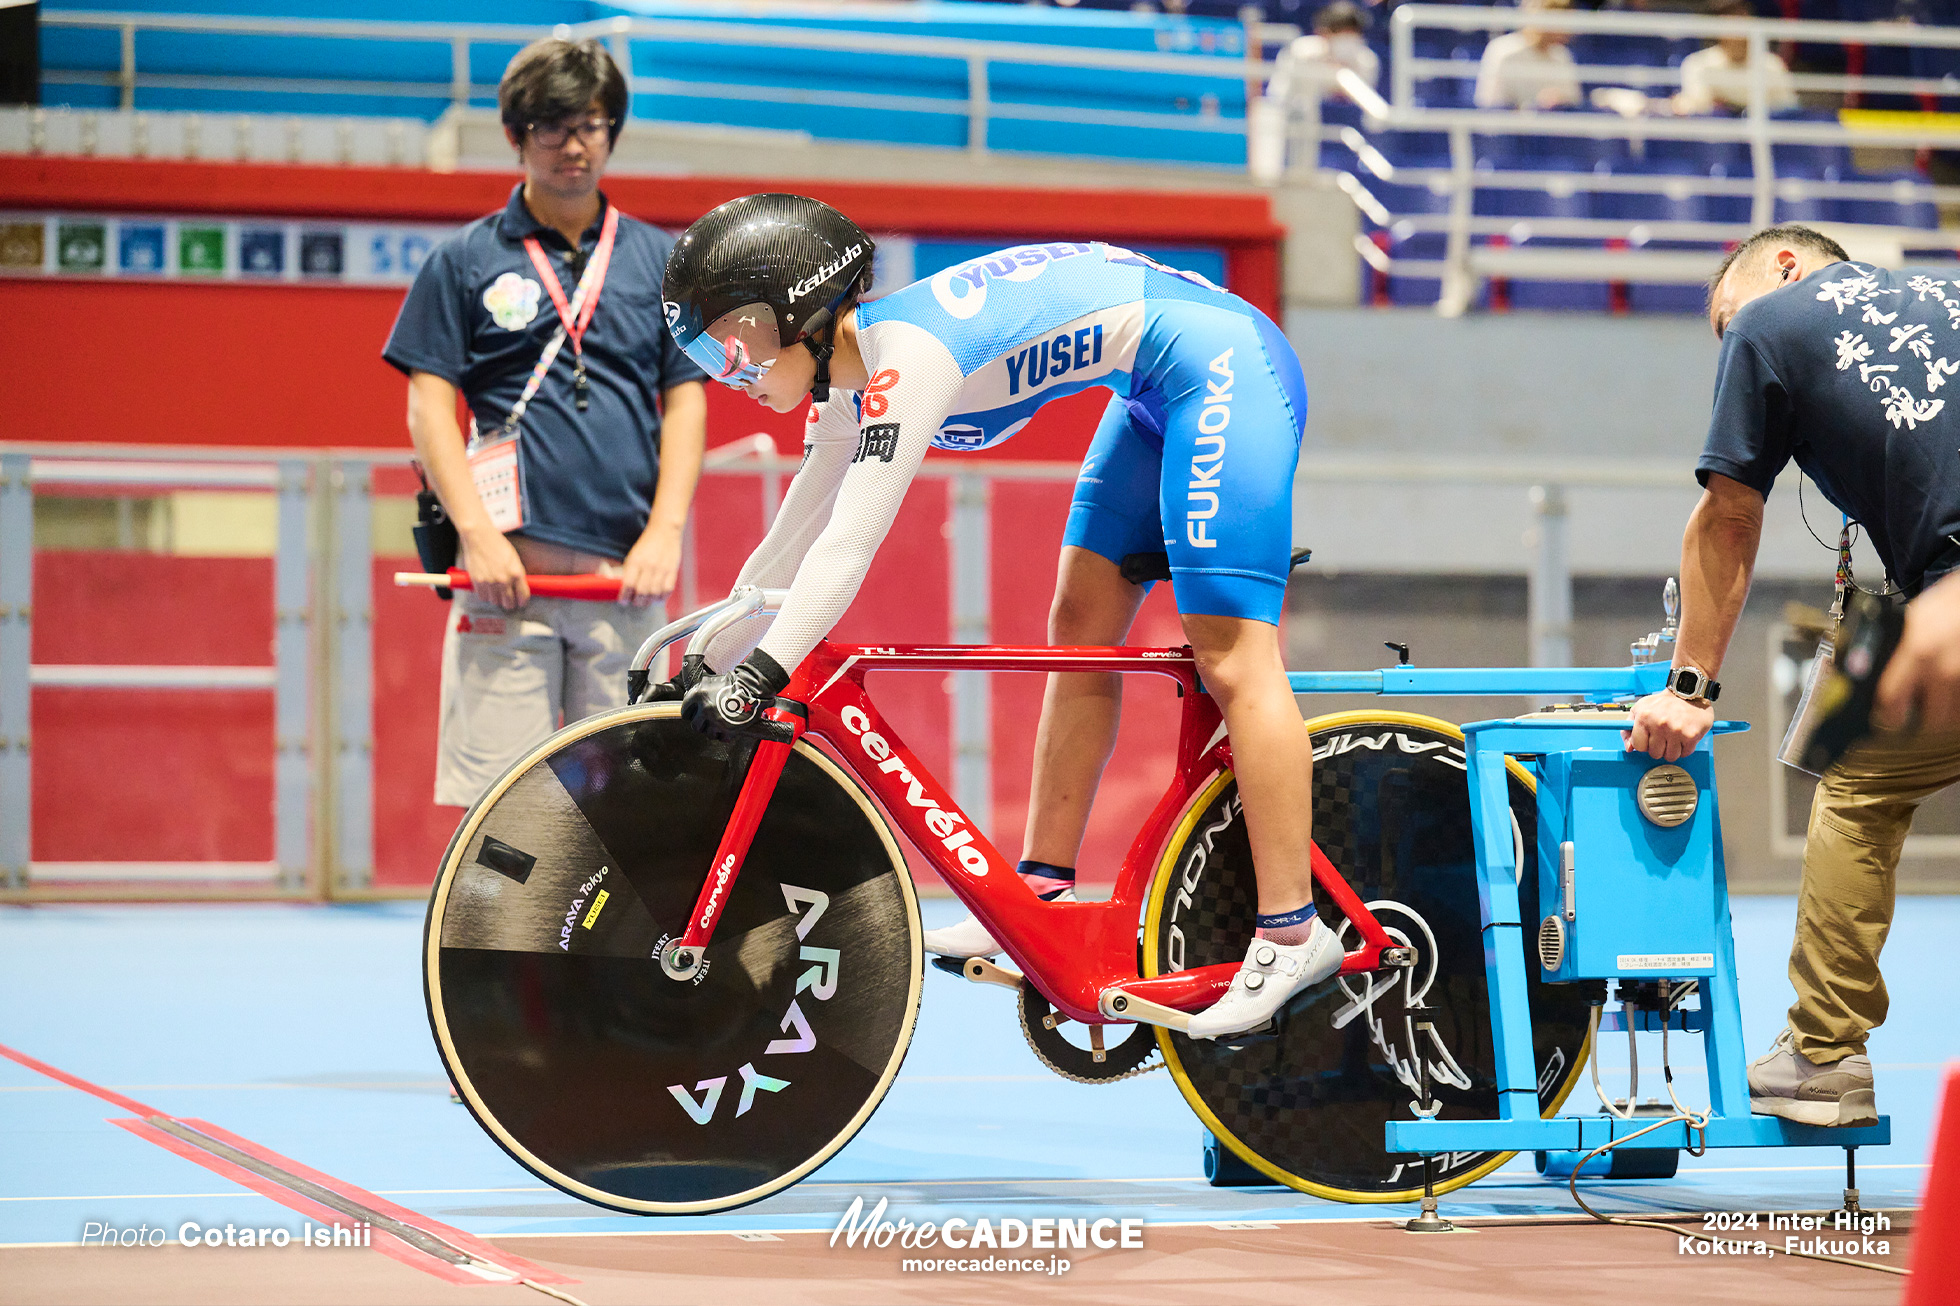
(1135, 1053)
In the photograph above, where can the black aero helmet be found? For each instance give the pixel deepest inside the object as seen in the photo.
(758, 274)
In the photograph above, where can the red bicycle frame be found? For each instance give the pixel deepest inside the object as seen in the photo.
(1075, 953)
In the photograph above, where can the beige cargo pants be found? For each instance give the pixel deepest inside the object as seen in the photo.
(1858, 824)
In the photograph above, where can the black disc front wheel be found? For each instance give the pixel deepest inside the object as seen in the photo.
(580, 1057)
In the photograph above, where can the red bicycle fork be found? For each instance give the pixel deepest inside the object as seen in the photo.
(681, 959)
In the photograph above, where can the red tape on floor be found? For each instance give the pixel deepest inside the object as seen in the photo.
(516, 1267)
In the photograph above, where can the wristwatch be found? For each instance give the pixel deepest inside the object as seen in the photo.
(1693, 684)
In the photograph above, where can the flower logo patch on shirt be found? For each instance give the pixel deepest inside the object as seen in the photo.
(512, 301)
(873, 400)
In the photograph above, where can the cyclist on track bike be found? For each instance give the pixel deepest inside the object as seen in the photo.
(1194, 458)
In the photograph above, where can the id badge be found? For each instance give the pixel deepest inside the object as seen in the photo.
(493, 466)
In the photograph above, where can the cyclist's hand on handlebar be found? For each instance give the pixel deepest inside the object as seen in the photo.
(1668, 726)
(732, 704)
(693, 668)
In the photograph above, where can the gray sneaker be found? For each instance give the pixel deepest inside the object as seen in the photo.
(1784, 1082)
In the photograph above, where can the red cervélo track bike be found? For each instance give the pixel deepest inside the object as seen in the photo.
(671, 974)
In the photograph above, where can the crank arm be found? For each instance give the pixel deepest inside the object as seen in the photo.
(1119, 1004)
(1367, 959)
(979, 970)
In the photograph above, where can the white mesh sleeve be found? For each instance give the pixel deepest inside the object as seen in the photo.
(914, 384)
(829, 440)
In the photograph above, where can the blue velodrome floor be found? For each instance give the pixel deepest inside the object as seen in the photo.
(301, 1028)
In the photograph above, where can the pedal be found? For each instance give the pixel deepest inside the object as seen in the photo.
(1266, 1033)
(980, 970)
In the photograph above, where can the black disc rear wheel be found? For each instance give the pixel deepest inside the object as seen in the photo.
(1307, 1104)
(580, 1057)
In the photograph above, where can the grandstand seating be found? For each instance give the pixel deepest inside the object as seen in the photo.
(1183, 118)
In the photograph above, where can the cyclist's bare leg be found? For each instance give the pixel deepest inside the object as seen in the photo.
(1272, 756)
(1079, 710)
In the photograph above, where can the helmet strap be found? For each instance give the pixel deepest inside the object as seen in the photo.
(821, 341)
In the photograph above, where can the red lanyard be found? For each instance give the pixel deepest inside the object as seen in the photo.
(577, 315)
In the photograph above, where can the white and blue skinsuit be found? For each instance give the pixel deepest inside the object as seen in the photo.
(1194, 456)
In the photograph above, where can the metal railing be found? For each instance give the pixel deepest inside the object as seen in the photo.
(321, 675)
(289, 677)
(1464, 263)
(979, 105)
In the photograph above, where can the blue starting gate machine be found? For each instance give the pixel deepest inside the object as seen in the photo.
(1633, 890)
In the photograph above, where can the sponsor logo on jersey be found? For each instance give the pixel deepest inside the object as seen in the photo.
(1045, 358)
(960, 437)
(878, 440)
(962, 289)
(1064, 357)
(1117, 254)
(874, 400)
(816, 279)
(1208, 454)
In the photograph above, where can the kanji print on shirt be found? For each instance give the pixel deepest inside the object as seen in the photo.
(1902, 407)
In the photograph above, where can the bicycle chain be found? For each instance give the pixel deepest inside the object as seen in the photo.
(1152, 1058)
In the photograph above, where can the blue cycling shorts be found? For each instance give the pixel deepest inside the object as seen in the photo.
(1200, 466)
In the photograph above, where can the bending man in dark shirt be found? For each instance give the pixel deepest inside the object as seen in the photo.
(1848, 369)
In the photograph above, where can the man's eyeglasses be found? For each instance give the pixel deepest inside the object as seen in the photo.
(552, 135)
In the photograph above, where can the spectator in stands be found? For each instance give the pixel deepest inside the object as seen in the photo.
(591, 443)
(1841, 367)
(1715, 79)
(1530, 68)
(1303, 74)
(1307, 65)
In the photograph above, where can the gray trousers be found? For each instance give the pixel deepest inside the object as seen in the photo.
(509, 679)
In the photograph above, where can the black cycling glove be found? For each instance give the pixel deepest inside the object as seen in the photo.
(732, 704)
(694, 668)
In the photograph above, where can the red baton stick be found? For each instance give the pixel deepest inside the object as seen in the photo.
(603, 589)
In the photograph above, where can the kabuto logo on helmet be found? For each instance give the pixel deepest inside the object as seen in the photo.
(824, 273)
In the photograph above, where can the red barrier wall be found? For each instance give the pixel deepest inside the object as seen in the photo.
(175, 362)
(123, 360)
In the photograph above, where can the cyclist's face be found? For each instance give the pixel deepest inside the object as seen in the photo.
(785, 387)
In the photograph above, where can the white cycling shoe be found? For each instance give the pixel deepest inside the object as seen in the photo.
(1271, 974)
(969, 938)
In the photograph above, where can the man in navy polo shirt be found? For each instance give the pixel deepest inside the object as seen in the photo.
(588, 422)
